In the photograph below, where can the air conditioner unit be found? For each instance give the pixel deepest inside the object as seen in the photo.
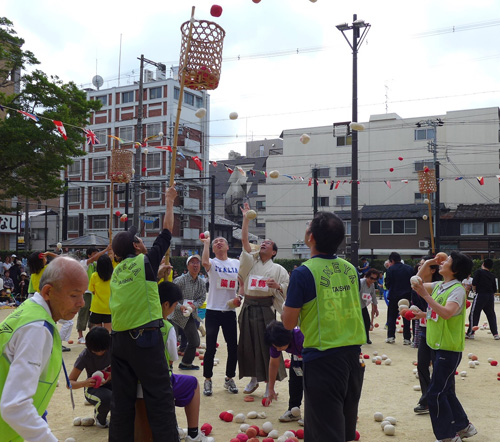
(34, 236)
(148, 76)
(423, 244)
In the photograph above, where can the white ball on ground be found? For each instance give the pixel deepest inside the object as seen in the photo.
(387, 362)
(463, 374)
(490, 360)
(273, 434)
(391, 420)
(415, 370)
(70, 439)
(476, 362)
(384, 423)
(417, 388)
(288, 434)
(87, 421)
(77, 421)
(244, 427)
(261, 415)
(267, 426)
(375, 353)
(384, 357)
(471, 364)
(282, 439)
(390, 430)
(239, 418)
(378, 416)
(470, 355)
(295, 411)
(252, 415)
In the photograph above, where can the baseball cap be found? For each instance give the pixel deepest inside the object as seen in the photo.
(191, 257)
(13, 256)
(24, 273)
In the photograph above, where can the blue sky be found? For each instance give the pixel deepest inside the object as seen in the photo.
(419, 58)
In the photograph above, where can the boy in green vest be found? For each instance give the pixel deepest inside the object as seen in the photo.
(30, 348)
(324, 294)
(446, 337)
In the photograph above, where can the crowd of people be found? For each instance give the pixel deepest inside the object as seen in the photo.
(137, 310)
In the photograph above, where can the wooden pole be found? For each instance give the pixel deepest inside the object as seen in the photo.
(430, 223)
(111, 198)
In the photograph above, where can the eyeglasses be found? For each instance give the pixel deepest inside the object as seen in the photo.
(267, 243)
(373, 279)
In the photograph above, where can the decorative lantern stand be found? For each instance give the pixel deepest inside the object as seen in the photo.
(427, 185)
(121, 172)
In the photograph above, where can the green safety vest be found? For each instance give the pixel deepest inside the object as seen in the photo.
(134, 301)
(27, 313)
(333, 318)
(91, 268)
(445, 334)
(164, 332)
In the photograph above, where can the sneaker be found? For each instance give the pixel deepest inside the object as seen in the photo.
(251, 387)
(105, 425)
(81, 340)
(65, 348)
(289, 417)
(188, 367)
(390, 340)
(301, 422)
(468, 431)
(230, 386)
(207, 387)
(406, 342)
(451, 439)
(496, 337)
(421, 409)
(469, 336)
(200, 438)
(368, 341)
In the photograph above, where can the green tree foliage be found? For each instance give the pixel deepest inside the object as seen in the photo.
(34, 153)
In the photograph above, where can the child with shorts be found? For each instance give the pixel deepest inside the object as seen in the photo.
(185, 388)
(292, 341)
(96, 357)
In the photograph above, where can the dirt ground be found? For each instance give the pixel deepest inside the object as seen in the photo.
(387, 389)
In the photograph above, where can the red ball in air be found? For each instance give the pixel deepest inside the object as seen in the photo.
(216, 11)
(118, 213)
(400, 158)
(391, 169)
(256, 1)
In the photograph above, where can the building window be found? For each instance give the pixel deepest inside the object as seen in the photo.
(189, 98)
(128, 97)
(344, 200)
(99, 194)
(259, 223)
(154, 93)
(323, 201)
(103, 99)
(99, 166)
(347, 225)
(102, 136)
(472, 229)
(153, 129)
(393, 227)
(153, 160)
(177, 93)
(152, 222)
(260, 205)
(73, 224)
(421, 165)
(494, 228)
(75, 169)
(344, 141)
(344, 171)
(98, 222)
(199, 101)
(424, 134)
(74, 196)
(127, 133)
(120, 191)
(323, 172)
(154, 191)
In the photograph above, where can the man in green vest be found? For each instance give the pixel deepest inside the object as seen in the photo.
(445, 315)
(137, 351)
(324, 295)
(31, 354)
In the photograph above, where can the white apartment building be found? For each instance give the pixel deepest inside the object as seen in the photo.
(391, 152)
(89, 209)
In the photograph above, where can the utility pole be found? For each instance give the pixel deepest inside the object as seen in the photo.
(315, 190)
(432, 148)
(357, 41)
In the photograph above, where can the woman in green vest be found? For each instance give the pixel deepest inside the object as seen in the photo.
(446, 302)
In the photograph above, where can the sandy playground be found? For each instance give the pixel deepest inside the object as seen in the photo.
(388, 389)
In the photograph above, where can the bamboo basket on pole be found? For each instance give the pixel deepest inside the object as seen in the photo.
(120, 172)
(427, 185)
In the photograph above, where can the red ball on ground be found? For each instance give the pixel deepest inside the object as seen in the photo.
(228, 417)
(456, 373)
(206, 428)
(242, 437)
(262, 433)
(292, 439)
(494, 363)
(248, 399)
(366, 356)
(300, 433)
(216, 11)
(264, 402)
(467, 305)
(222, 415)
(234, 439)
(251, 432)
(253, 439)
(376, 325)
(216, 345)
(257, 429)
(70, 341)
(378, 362)
(475, 328)
(357, 435)
(268, 439)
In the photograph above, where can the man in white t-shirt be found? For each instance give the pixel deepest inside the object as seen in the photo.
(223, 275)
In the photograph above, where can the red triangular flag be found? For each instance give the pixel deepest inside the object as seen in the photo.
(197, 161)
(337, 184)
(228, 169)
(60, 128)
(213, 163)
(480, 180)
(388, 184)
(310, 182)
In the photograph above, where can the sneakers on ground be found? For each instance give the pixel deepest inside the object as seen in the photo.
(200, 438)
(390, 340)
(406, 342)
(65, 348)
(105, 425)
(188, 367)
(251, 387)
(230, 386)
(451, 439)
(496, 337)
(81, 340)
(301, 422)
(289, 417)
(468, 431)
(207, 387)
(469, 336)
(421, 409)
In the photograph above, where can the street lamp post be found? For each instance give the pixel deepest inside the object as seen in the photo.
(357, 41)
